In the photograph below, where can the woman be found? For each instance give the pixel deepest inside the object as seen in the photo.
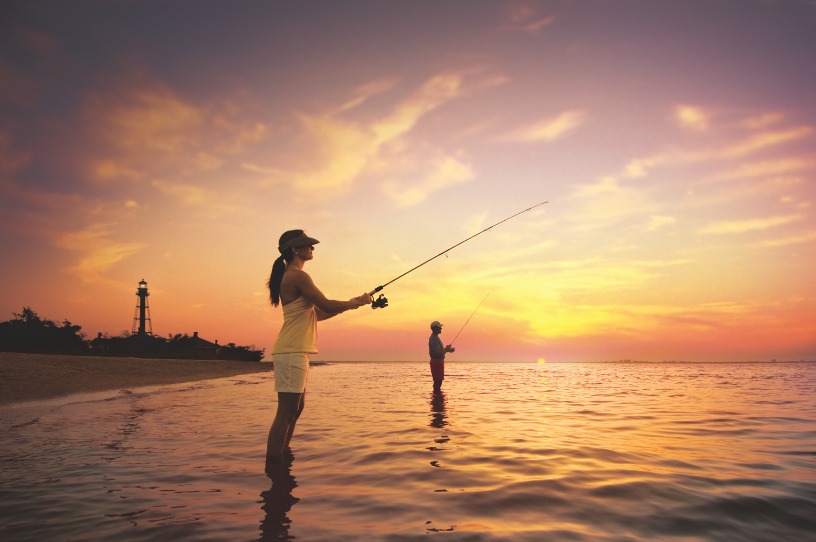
(303, 305)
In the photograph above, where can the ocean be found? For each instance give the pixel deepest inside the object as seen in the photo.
(506, 452)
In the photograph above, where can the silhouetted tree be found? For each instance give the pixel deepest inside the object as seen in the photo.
(27, 332)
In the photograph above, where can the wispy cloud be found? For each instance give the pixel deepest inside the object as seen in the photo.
(764, 140)
(111, 170)
(364, 92)
(762, 120)
(604, 201)
(657, 222)
(343, 149)
(148, 118)
(526, 17)
(742, 226)
(340, 151)
(10, 160)
(431, 95)
(210, 203)
(26, 207)
(96, 249)
(761, 138)
(691, 117)
(184, 193)
(550, 129)
(640, 167)
(603, 187)
(137, 128)
(448, 171)
(807, 237)
(24, 84)
(772, 167)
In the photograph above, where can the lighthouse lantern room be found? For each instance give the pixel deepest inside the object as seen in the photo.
(141, 317)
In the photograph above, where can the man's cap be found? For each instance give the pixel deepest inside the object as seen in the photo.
(295, 238)
(435, 323)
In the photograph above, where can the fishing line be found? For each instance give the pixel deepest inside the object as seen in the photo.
(469, 317)
(382, 301)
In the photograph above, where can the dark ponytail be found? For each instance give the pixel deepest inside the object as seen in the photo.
(287, 255)
(276, 276)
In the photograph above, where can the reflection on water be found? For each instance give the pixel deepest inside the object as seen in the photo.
(521, 452)
(439, 420)
(278, 501)
(438, 416)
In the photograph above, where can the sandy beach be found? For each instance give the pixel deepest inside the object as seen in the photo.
(28, 377)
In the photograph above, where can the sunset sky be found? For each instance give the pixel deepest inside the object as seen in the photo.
(174, 141)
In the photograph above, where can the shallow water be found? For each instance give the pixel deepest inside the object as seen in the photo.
(521, 452)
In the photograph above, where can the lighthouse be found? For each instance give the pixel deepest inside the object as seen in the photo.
(141, 317)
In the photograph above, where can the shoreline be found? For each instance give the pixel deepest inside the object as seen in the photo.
(33, 377)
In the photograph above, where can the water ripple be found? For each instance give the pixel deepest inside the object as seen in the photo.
(507, 452)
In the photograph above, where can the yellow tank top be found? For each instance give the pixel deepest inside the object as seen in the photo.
(299, 331)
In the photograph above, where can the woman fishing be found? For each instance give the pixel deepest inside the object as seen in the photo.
(303, 305)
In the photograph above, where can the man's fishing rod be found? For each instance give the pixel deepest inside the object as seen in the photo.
(382, 301)
(469, 317)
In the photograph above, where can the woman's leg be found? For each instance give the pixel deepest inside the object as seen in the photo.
(290, 405)
(294, 420)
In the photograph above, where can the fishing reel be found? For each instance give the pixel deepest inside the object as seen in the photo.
(381, 302)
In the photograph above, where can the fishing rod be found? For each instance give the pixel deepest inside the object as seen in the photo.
(469, 317)
(382, 301)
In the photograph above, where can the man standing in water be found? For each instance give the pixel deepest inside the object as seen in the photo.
(437, 353)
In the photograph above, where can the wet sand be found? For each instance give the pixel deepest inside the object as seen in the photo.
(29, 377)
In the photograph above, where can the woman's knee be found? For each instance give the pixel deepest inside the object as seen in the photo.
(290, 406)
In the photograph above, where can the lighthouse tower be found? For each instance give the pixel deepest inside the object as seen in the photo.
(141, 317)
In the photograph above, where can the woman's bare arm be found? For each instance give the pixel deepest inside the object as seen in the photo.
(328, 307)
